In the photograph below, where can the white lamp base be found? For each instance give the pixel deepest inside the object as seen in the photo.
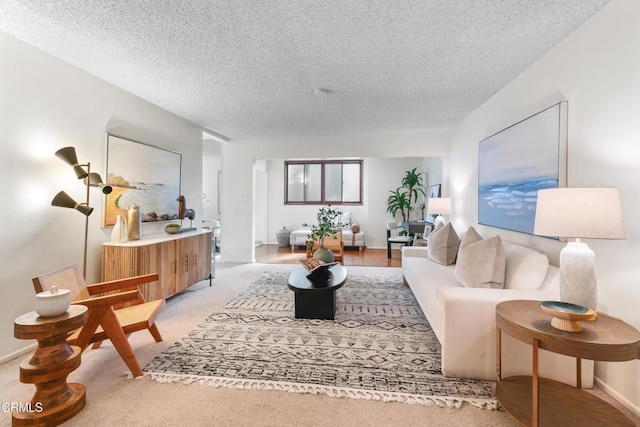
(439, 219)
(578, 275)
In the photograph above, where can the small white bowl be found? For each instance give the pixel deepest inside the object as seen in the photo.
(53, 303)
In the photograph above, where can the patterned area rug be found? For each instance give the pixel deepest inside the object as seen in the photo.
(380, 347)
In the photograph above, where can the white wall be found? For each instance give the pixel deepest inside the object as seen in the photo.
(211, 164)
(597, 70)
(46, 104)
(238, 159)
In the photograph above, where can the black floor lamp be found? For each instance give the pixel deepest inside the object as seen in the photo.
(91, 179)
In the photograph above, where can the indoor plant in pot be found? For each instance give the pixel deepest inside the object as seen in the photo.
(326, 226)
(413, 185)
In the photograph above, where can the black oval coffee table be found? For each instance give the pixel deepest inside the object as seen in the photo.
(316, 298)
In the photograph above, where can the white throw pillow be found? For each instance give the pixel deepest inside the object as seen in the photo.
(442, 244)
(481, 262)
(344, 220)
(526, 267)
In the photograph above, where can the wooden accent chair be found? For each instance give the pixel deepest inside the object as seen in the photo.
(114, 315)
(334, 243)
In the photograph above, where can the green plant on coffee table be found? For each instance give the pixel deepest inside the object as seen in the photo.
(326, 225)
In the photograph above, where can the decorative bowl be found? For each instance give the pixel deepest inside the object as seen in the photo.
(567, 316)
(173, 228)
(53, 303)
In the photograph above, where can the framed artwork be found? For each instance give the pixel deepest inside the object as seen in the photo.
(515, 163)
(434, 191)
(144, 175)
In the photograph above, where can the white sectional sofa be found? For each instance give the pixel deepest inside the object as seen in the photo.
(463, 318)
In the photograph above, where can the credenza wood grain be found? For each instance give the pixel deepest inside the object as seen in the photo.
(180, 260)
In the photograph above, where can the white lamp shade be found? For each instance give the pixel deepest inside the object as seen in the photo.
(594, 213)
(439, 205)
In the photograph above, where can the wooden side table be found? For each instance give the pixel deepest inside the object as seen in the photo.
(55, 401)
(540, 401)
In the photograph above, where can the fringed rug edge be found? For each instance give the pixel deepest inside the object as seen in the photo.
(290, 387)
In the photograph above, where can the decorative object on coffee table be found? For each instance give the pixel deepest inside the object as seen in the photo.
(314, 264)
(594, 213)
(54, 401)
(318, 270)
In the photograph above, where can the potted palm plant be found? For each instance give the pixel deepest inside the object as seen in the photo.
(413, 184)
(402, 197)
(398, 202)
(326, 226)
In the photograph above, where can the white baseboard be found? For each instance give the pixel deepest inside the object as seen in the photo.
(18, 353)
(617, 396)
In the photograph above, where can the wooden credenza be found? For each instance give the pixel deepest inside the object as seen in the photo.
(179, 259)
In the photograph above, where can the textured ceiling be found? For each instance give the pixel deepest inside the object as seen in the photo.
(249, 68)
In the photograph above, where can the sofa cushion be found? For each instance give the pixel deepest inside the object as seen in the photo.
(442, 244)
(526, 268)
(355, 227)
(481, 262)
(344, 220)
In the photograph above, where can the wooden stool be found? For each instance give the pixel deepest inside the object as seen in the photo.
(55, 401)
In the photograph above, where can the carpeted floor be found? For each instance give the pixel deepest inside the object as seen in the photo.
(114, 400)
(380, 347)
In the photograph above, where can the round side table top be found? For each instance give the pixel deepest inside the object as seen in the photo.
(32, 326)
(606, 338)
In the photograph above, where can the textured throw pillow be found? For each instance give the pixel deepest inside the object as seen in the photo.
(355, 228)
(481, 262)
(344, 220)
(442, 244)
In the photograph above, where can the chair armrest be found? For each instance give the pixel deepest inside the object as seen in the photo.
(121, 284)
(109, 300)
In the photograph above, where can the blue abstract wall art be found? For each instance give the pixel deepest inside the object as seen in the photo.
(515, 163)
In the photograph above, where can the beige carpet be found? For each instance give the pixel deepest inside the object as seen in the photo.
(112, 399)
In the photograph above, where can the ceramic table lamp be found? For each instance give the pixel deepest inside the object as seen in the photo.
(439, 206)
(592, 213)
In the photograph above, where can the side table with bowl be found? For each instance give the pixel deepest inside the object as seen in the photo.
(534, 400)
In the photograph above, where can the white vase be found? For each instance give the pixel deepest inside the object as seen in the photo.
(119, 232)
